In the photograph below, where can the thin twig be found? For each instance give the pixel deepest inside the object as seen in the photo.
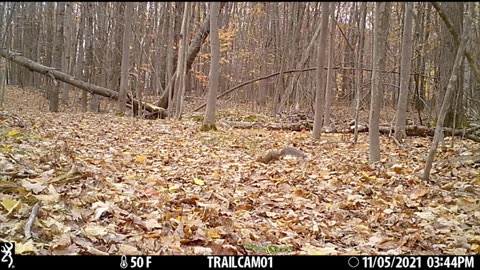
(18, 175)
(28, 226)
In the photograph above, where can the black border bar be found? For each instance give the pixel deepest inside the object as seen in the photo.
(359, 262)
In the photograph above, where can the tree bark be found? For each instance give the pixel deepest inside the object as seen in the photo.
(54, 97)
(358, 67)
(330, 73)
(181, 63)
(127, 37)
(191, 54)
(320, 74)
(209, 121)
(379, 46)
(90, 58)
(81, 72)
(401, 114)
(198, 40)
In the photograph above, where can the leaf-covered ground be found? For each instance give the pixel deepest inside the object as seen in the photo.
(117, 185)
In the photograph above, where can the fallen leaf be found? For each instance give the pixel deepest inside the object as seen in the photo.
(418, 192)
(14, 133)
(126, 249)
(140, 159)
(202, 250)
(95, 230)
(9, 204)
(312, 250)
(21, 248)
(198, 182)
(213, 234)
(34, 187)
(173, 188)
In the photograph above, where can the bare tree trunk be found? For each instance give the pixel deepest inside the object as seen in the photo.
(58, 57)
(181, 63)
(447, 100)
(195, 46)
(50, 43)
(168, 75)
(90, 53)
(3, 72)
(70, 41)
(320, 74)
(379, 47)
(263, 87)
(358, 67)
(3, 82)
(140, 36)
(209, 121)
(401, 115)
(9, 20)
(159, 78)
(330, 72)
(197, 41)
(82, 74)
(127, 36)
(117, 50)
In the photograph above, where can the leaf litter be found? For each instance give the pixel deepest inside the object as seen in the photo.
(113, 185)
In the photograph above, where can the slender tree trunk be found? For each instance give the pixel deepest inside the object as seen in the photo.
(90, 53)
(69, 44)
(82, 74)
(320, 74)
(169, 73)
(117, 51)
(209, 121)
(330, 72)
(181, 63)
(358, 67)
(127, 36)
(379, 46)
(50, 42)
(401, 115)
(58, 57)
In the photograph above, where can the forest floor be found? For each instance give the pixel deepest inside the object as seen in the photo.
(119, 185)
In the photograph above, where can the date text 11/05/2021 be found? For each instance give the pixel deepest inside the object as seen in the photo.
(414, 262)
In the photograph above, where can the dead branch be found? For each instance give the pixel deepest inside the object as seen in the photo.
(276, 74)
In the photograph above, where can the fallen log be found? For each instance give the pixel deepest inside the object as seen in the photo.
(271, 126)
(424, 131)
(462, 160)
(411, 130)
(152, 110)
